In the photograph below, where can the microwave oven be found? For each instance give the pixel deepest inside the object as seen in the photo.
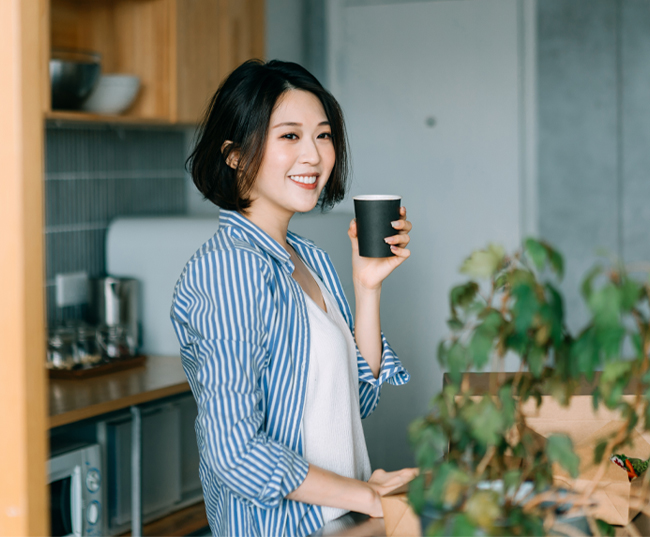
(75, 481)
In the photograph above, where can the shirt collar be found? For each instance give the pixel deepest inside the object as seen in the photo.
(257, 236)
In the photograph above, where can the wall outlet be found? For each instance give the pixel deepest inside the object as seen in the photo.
(71, 289)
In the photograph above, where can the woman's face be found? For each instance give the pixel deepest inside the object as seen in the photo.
(298, 157)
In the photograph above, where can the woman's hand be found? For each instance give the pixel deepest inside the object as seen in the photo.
(383, 482)
(370, 272)
(322, 487)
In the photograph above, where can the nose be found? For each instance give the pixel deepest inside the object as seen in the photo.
(309, 153)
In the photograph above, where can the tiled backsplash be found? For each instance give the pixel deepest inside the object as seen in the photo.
(92, 175)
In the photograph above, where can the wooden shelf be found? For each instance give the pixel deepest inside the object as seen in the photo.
(75, 400)
(85, 117)
(183, 522)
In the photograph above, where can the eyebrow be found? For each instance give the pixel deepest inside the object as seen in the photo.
(294, 124)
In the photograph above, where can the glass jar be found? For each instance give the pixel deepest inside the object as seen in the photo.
(113, 342)
(60, 349)
(86, 351)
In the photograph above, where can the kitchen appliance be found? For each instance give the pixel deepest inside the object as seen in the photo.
(114, 306)
(73, 76)
(113, 94)
(76, 491)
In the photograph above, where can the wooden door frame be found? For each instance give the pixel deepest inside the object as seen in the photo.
(23, 387)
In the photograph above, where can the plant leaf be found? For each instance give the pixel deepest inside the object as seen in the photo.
(605, 304)
(605, 529)
(462, 295)
(486, 422)
(483, 263)
(525, 306)
(462, 526)
(615, 376)
(457, 362)
(535, 359)
(536, 252)
(587, 283)
(556, 262)
(631, 292)
(559, 448)
(599, 451)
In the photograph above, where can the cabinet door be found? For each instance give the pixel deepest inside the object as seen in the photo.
(161, 474)
(214, 37)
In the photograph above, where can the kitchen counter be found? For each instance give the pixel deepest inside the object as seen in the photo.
(74, 400)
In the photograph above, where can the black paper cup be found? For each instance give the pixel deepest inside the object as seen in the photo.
(374, 213)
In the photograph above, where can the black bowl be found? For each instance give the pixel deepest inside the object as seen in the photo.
(73, 76)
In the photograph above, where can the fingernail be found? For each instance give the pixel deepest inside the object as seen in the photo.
(393, 248)
(387, 240)
(395, 223)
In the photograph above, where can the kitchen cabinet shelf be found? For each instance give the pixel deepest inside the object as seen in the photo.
(180, 50)
(76, 400)
(183, 522)
(84, 117)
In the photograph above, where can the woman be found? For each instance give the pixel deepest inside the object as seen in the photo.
(281, 378)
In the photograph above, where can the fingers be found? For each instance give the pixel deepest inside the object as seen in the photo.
(398, 240)
(410, 473)
(352, 229)
(401, 254)
(401, 240)
(403, 225)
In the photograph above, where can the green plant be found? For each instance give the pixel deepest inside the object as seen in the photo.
(512, 305)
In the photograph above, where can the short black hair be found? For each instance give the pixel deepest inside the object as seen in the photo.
(240, 112)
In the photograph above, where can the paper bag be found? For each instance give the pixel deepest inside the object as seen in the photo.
(399, 518)
(614, 494)
(587, 428)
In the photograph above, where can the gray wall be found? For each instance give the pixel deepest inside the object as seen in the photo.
(594, 129)
(295, 32)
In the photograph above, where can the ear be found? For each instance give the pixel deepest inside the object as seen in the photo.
(233, 155)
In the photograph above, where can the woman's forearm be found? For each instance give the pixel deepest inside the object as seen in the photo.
(322, 487)
(367, 326)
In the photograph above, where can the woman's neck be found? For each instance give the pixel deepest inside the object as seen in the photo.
(274, 223)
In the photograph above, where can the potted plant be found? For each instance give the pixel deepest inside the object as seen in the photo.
(484, 471)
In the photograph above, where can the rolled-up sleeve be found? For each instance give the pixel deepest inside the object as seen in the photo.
(222, 312)
(391, 371)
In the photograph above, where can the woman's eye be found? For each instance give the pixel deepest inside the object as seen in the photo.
(290, 136)
(326, 135)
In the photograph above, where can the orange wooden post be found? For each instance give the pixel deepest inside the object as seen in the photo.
(23, 440)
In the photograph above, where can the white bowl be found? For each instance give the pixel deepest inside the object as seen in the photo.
(113, 94)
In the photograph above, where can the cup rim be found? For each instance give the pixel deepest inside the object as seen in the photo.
(376, 197)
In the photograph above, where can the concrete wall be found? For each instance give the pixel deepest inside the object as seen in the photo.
(295, 32)
(594, 129)
(635, 129)
(431, 95)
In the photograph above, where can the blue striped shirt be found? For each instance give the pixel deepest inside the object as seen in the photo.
(241, 320)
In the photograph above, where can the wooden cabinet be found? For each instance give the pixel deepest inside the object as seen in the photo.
(180, 49)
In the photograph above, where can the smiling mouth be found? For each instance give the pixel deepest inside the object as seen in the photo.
(305, 181)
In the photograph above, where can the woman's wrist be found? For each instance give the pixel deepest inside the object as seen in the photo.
(375, 508)
(365, 287)
(322, 487)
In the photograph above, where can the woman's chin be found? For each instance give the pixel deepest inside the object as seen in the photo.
(306, 207)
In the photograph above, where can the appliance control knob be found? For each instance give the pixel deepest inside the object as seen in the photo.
(93, 480)
(92, 512)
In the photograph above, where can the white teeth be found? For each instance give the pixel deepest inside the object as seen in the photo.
(305, 179)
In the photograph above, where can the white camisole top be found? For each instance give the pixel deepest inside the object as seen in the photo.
(332, 432)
